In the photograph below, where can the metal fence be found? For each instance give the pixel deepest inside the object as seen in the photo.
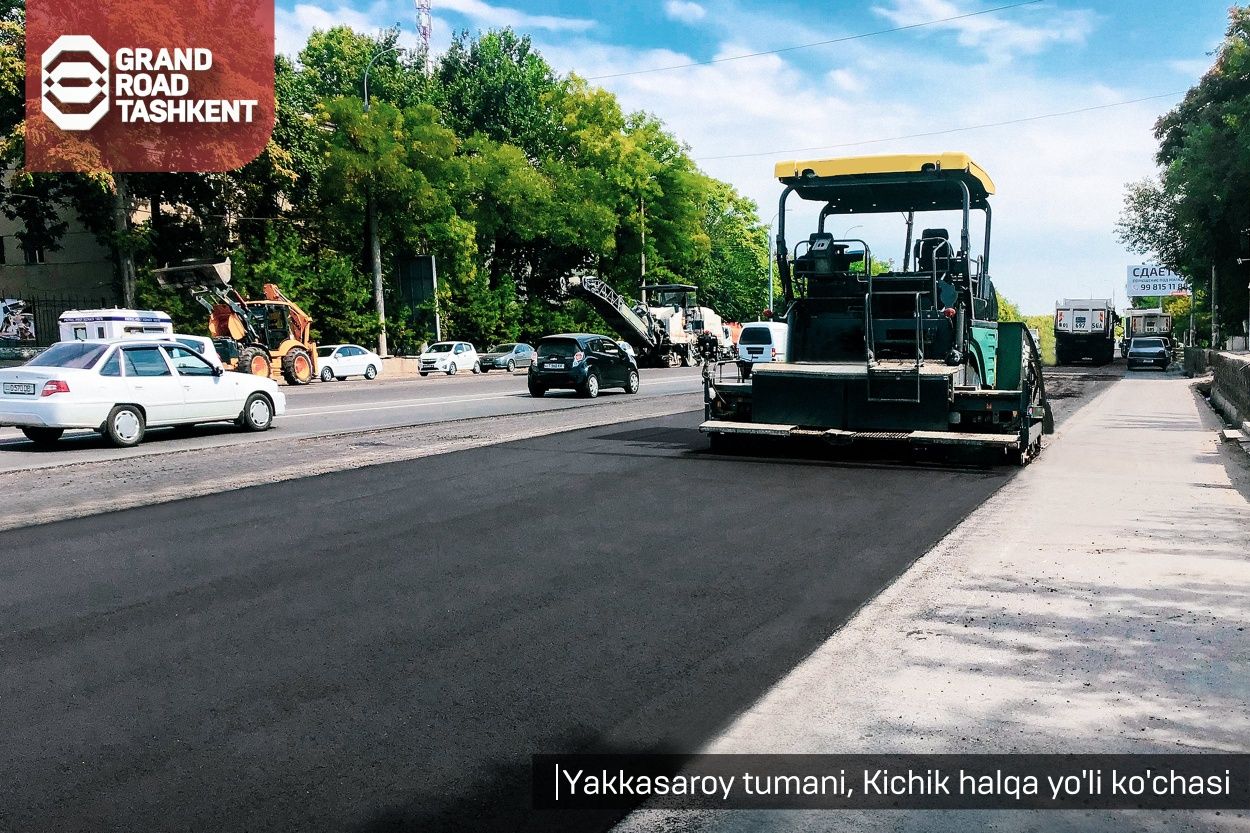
(29, 319)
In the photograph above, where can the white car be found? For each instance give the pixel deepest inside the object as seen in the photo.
(449, 357)
(200, 344)
(121, 387)
(338, 361)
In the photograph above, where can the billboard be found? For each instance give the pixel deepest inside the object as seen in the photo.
(1149, 281)
(16, 323)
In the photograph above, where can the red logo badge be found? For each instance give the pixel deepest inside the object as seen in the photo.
(148, 86)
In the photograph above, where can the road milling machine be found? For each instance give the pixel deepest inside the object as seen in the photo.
(663, 328)
(915, 355)
(263, 338)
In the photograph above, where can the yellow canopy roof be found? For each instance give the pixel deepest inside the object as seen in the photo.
(890, 182)
(891, 163)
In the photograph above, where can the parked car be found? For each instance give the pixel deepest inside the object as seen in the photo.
(122, 387)
(1149, 351)
(583, 362)
(449, 357)
(763, 341)
(338, 361)
(507, 356)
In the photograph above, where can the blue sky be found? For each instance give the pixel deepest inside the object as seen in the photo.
(1060, 180)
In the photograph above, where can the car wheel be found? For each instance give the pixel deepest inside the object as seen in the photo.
(42, 436)
(477, 367)
(257, 413)
(371, 372)
(537, 391)
(591, 389)
(511, 366)
(125, 426)
(425, 372)
(631, 382)
(327, 374)
(484, 369)
(451, 369)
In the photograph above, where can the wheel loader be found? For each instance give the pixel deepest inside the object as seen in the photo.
(264, 338)
(876, 353)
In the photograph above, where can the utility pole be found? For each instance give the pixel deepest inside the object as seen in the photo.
(642, 211)
(425, 27)
(1215, 313)
(375, 246)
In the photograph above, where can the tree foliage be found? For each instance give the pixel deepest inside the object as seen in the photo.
(1195, 216)
(513, 177)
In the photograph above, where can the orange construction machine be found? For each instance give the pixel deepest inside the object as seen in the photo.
(258, 337)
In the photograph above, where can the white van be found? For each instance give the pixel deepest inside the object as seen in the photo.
(763, 341)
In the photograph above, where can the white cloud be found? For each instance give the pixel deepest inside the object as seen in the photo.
(1001, 35)
(1192, 67)
(488, 16)
(685, 11)
(846, 80)
(293, 26)
(1060, 181)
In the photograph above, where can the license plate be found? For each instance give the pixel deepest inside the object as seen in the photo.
(552, 366)
(26, 388)
(759, 352)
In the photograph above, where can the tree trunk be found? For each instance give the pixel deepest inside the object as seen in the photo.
(121, 225)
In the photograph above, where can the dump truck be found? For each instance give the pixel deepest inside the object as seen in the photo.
(262, 337)
(664, 327)
(1140, 323)
(915, 355)
(1085, 329)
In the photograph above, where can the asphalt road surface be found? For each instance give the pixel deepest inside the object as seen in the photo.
(354, 405)
(384, 648)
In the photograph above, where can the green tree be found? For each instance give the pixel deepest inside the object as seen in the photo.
(1194, 217)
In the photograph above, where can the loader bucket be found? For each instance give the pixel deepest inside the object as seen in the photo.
(210, 274)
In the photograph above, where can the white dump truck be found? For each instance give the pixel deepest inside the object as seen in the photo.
(1085, 330)
(1142, 323)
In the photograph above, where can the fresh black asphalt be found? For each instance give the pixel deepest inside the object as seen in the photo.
(383, 649)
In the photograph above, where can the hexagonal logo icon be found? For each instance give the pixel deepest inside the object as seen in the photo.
(75, 82)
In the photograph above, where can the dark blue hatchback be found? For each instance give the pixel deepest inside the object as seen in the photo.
(582, 362)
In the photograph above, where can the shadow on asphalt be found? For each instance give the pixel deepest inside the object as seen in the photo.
(812, 453)
(155, 436)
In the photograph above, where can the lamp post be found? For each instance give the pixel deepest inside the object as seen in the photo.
(375, 247)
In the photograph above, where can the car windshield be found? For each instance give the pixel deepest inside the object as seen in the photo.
(1147, 342)
(325, 352)
(501, 348)
(190, 344)
(441, 347)
(69, 354)
(561, 348)
(755, 335)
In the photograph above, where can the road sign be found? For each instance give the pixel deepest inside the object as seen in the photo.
(1149, 281)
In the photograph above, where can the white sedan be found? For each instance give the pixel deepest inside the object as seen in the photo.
(122, 387)
(338, 361)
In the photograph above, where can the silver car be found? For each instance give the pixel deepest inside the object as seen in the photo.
(507, 357)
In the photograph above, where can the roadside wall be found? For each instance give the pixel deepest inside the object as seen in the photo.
(1230, 391)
